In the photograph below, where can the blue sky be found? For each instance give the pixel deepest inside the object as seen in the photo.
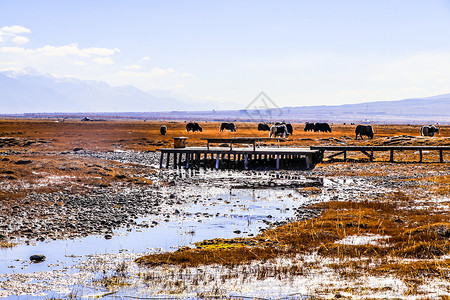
(297, 52)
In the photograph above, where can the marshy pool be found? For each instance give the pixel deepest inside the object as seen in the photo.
(215, 213)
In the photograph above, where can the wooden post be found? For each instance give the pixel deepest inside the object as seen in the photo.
(371, 155)
(391, 155)
(217, 160)
(188, 157)
(345, 155)
(161, 160)
(420, 155)
(179, 159)
(168, 160)
(246, 161)
(278, 162)
(175, 160)
(441, 156)
(307, 159)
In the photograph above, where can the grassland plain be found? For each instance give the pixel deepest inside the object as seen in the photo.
(390, 243)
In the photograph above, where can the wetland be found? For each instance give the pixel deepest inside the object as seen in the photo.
(91, 199)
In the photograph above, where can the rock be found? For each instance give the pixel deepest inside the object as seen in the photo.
(77, 149)
(237, 231)
(23, 162)
(37, 258)
(108, 236)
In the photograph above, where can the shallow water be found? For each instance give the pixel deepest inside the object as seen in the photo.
(223, 213)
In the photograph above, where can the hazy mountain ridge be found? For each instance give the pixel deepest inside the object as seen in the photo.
(30, 92)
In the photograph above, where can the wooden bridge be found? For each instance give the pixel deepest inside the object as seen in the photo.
(227, 156)
(369, 150)
(240, 157)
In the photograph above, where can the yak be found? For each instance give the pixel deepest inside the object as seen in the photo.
(279, 130)
(227, 126)
(163, 130)
(193, 127)
(364, 130)
(288, 126)
(309, 126)
(429, 130)
(263, 127)
(324, 127)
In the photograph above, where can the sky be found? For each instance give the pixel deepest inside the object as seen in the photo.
(321, 52)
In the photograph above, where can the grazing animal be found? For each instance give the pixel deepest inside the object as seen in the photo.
(364, 130)
(324, 127)
(163, 130)
(279, 130)
(227, 126)
(309, 126)
(429, 130)
(263, 127)
(288, 126)
(193, 127)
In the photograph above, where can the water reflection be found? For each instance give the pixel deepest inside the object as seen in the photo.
(227, 214)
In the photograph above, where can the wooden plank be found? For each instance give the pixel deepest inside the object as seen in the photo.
(336, 154)
(365, 152)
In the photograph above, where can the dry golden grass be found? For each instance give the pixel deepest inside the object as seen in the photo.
(50, 173)
(140, 135)
(410, 233)
(6, 244)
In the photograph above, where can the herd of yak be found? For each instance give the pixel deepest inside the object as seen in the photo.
(283, 129)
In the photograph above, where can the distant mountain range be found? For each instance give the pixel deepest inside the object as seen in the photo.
(34, 94)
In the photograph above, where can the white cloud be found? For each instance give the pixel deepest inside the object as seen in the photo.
(160, 72)
(16, 29)
(90, 63)
(20, 40)
(186, 74)
(80, 63)
(73, 49)
(103, 60)
(11, 34)
(132, 67)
